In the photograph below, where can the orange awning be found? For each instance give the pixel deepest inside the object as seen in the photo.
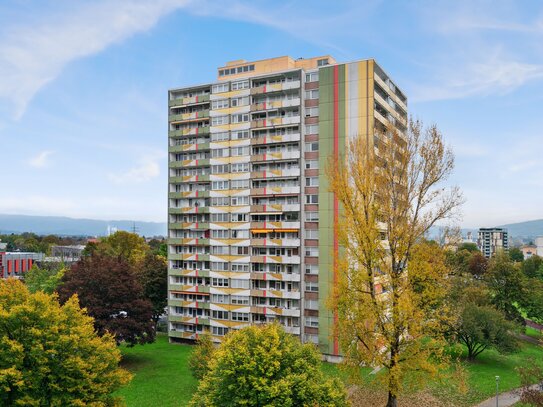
(261, 230)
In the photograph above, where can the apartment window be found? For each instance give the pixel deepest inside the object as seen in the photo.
(240, 234)
(240, 316)
(220, 217)
(312, 234)
(221, 87)
(219, 185)
(312, 111)
(240, 118)
(312, 199)
(219, 282)
(312, 251)
(312, 77)
(322, 62)
(312, 146)
(236, 283)
(240, 300)
(240, 250)
(241, 84)
(312, 181)
(311, 304)
(239, 217)
(220, 250)
(239, 151)
(219, 152)
(219, 330)
(220, 201)
(240, 200)
(219, 266)
(242, 101)
(240, 267)
(311, 164)
(219, 314)
(220, 169)
(219, 298)
(313, 287)
(311, 269)
(312, 129)
(239, 183)
(222, 136)
(312, 216)
(220, 234)
(238, 135)
(219, 104)
(239, 167)
(312, 322)
(312, 94)
(217, 121)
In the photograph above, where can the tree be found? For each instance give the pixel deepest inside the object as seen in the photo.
(478, 264)
(533, 267)
(516, 255)
(264, 366)
(45, 278)
(153, 275)
(470, 247)
(389, 201)
(483, 327)
(50, 355)
(201, 356)
(506, 282)
(108, 288)
(128, 246)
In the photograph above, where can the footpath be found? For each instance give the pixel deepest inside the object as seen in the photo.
(505, 399)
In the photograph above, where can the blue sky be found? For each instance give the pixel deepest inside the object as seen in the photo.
(83, 90)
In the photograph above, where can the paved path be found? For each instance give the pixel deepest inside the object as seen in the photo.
(505, 399)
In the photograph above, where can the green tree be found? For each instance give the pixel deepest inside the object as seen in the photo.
(533, 267)
(153, 276)
(470, 247)
(112, 294)
(264, 366)
(46, 278)
(126, 245)
(516, 255)
(483, 327)
(201, 356)
(50, 355)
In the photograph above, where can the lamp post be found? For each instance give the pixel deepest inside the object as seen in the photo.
(497, 390)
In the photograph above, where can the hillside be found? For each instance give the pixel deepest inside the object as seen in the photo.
(57, 225)
(531, 228)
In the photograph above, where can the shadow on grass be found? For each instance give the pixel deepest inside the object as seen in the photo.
(134, 362)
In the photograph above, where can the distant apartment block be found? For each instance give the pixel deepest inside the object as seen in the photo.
(15, 264)
(66, 254)
(539, 246)
(492, 240)
(252, 227)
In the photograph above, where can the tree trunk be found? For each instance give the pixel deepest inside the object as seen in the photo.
(392, 401)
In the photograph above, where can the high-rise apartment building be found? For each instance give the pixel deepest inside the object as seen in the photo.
(492, 240)
(252, 225)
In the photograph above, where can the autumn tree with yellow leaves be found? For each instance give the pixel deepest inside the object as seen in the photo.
(391, 283)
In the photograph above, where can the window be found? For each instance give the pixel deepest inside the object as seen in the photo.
(240, 234)
(219, 314)
(219, 330)
(312, 251)
(311, 269)
(219, 104)
(239, 184)
(312, 94)
(239, 167)
(219, 185)
(220, 234)
(312, 234)
(312, 322)
(221, 87)
(240, 267)
(312, 199)
(217, 121)
(222, 136)
(220, 169)
(240, 300)
(238, 151)
(220, 201)
(240, 118)
(220, 217)
(312, 111)
(322, 62)
(312, 146)
(311, 286)
(236, 283)
(240, 316)
(238, 135)
(312, 77)
(312, 129)
(239, 217)
(219, 282)
(219, 152)
(242, 101)
(239, 250)
(241, 84)
(312, 181)
(219, 298)
(311, 164)
(240, 200)
(221, 250)
(312, 216)
(219, 266)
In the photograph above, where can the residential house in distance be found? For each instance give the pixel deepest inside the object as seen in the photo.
(492, 240)
(528, 251)
(252, 227)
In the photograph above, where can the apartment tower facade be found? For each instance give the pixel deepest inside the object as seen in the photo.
(492, 240)
(252, 225)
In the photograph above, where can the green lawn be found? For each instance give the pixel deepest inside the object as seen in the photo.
(161, 375)
(534, 333)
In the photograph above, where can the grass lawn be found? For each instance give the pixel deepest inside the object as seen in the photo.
(161, 374)
(534, 333)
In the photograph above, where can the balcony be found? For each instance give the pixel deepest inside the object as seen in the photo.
(275, 87)
(188, 304)
(187, 319)
(189, 225)
(295, 295)
(275, 242)
(276, 259)
(276, 276)
(189, 256)
(279, 138)
(188, 194)
(189, 101)
(273, 122)
(272, 156)
(275, 104)
(188, 147)
(194, 116)
(189, 163)
(278, 226)
(188, 272)
(189, 131)
(274, 191)
(189, 241)
(189, 178)
(289, 172)
(276, 208)
(189, 209)
(269, 310)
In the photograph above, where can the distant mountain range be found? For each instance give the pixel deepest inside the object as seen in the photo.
(528, 229)
(57, 225)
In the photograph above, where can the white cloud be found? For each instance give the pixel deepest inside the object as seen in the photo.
(40, 160)
(33, 54)
(147, 169)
